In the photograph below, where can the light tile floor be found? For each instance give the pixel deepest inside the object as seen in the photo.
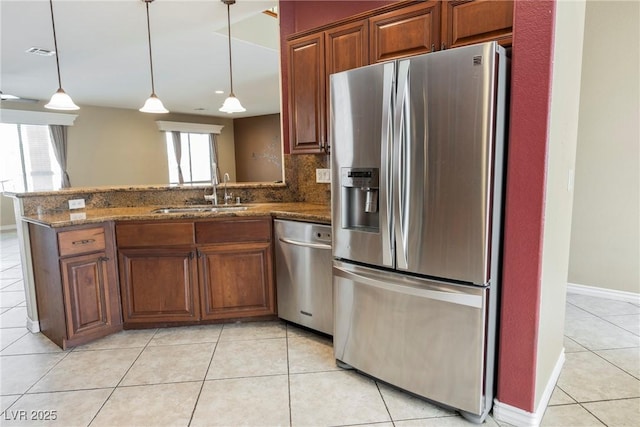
(272, 373)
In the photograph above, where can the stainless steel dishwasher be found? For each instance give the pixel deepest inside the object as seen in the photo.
(303, 274)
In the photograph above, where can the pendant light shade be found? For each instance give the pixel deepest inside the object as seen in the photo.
(153, 103)
(60, 100)
(231, 104)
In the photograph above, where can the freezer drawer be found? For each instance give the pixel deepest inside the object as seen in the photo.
(424, 336)
(303, 274)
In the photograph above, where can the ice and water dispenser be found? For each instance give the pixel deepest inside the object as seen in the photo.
(360, 188)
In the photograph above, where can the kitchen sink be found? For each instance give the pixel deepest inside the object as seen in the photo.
(190, 209)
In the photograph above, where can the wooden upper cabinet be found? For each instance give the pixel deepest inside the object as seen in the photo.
(347, 47)
(307, 132)
(476, 21)
(405, 32)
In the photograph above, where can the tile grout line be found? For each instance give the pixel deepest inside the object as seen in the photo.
(121, 379)
(288, 373)
(195, 404)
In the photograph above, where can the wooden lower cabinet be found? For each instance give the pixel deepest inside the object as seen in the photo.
(195, 271)
(159, 285)
(76, 282)
(236, 280)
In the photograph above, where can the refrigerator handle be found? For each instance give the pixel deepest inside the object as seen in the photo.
(400, 173)
(386, 191)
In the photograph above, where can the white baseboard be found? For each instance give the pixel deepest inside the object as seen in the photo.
(33, 325)
(593, 291)
(8, 227)
(521, 418)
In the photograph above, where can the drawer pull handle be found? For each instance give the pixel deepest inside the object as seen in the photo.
(103, 259)
(83, 242)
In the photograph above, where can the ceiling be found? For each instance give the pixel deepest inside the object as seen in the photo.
(104, 59)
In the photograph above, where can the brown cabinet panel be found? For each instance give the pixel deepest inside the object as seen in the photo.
(475, 21)
(236, 280)
(81, 241)
(154, 233)
(347, 47)
(77, 295)
(159, 285)
(236, 231)
(405, 32)
(307, 94)
(87, 299)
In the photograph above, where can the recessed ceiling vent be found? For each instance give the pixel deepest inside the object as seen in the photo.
(40, 51)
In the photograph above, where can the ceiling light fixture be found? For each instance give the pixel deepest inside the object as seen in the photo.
(231, 104)
(60, 100)
(153, 103)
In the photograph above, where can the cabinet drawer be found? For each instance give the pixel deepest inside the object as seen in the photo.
(81, 241)
(237, 231)
(154, 234)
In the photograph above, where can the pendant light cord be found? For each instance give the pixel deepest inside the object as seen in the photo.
(229, 32)
(153, 89)
(55, 44)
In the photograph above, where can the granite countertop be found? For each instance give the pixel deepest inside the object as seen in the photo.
(301, 211)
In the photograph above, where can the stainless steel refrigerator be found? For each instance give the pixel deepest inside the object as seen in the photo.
(417, 175)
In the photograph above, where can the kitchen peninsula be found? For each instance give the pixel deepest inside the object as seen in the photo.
(125, 261)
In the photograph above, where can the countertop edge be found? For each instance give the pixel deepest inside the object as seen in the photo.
(307, 212)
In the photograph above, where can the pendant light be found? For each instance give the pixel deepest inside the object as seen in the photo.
(60, 100)
(153, 104)
(231, 104)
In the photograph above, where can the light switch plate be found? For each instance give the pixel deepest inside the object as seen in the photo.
(76, 203)
(323, 175)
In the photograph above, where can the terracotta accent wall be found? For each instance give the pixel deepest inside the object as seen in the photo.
(301, 15)
(525, 195)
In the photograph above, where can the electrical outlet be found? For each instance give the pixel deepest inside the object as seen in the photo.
(323, 175)
(76, 204)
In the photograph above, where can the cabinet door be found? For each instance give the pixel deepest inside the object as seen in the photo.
(88, 300)
(347, 47)
(405, 32)
(236, 280)
(159, 285)
(307, 131)
(475, 21)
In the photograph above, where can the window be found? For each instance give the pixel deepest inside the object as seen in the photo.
(27, 160)
(195, 159)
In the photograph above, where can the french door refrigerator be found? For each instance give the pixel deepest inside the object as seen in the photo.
(417, 175)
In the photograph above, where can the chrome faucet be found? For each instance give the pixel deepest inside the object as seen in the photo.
(214, 183)
(228, 196)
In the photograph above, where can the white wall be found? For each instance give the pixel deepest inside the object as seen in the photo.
(563, 135)
(7, 217)
(605, 235)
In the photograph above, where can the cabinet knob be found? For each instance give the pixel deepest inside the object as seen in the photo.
(192, 255)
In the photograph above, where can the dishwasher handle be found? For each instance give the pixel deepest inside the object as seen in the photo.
(305, 244)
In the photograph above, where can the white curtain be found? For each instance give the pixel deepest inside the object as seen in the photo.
(215, 167)
(59, 143)
(177, 149)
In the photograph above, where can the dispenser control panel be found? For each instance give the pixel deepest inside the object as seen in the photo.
(360, 177)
